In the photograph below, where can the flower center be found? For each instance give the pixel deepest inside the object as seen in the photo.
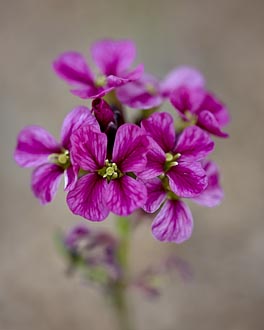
(62, 159)
(171, 160)
(100, 81)
(192, 118)
(110, 171)
(151, 89)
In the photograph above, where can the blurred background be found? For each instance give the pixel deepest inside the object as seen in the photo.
(224, 39)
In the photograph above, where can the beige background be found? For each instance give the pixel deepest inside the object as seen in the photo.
(225, 40)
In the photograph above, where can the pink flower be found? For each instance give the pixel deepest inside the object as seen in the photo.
(177, 157)
(148, 92)
(109, 184)
(37, 148)
(113, 58)
(199, 107)
(174, 222)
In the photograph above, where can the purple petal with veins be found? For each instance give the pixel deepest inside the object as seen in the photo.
(87, 199)
(187, 179)
(160, 126)
(88, 148)
(194, 144)
(34, 145)
(45, 182)
(78, 117)
(156, 195)
(125, 195)
(174, 223)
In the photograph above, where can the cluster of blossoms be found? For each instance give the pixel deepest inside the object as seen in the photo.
(110, 165)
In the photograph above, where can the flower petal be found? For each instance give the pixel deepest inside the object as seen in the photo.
(188, 99)
(141, 94)
(87, 199)
(155, 162)
(182, 76)
(45, 182)
(70, 177)
(213, 194)
(216, 107)
(160, 127)
(72, 67)
(34, 145)
(194, 144)
(174, 223)
(113, 56)
(187, 179)
(125, 195)
(90, 92)
(208, 122)
(78, 117)
(156, 195)
(88, 148)
(130, 148)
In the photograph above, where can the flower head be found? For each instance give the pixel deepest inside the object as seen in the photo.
(109, 184)
(174, 221)
(37, 148)
(199, 107)
(113, 59)
(96, 250)
(177, 157)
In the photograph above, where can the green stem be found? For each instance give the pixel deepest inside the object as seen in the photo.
(120, 287)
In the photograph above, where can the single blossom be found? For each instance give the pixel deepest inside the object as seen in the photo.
(174, 222)
(113, 59)
(38, 149)
(96, 250)
(198, 106)
(109, 184)
(178, 158)
(148, 92)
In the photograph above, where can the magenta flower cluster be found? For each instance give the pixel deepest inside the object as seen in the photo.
(111, 165)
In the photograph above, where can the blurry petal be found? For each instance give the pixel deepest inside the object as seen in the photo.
(72, 67)
(88, 148)
(187, 99)
(187, 179)
(91, 92)
(75, 235)
(174, 223)
(194, 144)
(213, 194)
(113, 56)
(207, 121)
(217, 108)
(130, 148)
(182, 76)
(125, 195)
(87, 199)
(45, 182)
(160, 127)
(141, 94)
(78, 117)
(34, 145)
(156, 195)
